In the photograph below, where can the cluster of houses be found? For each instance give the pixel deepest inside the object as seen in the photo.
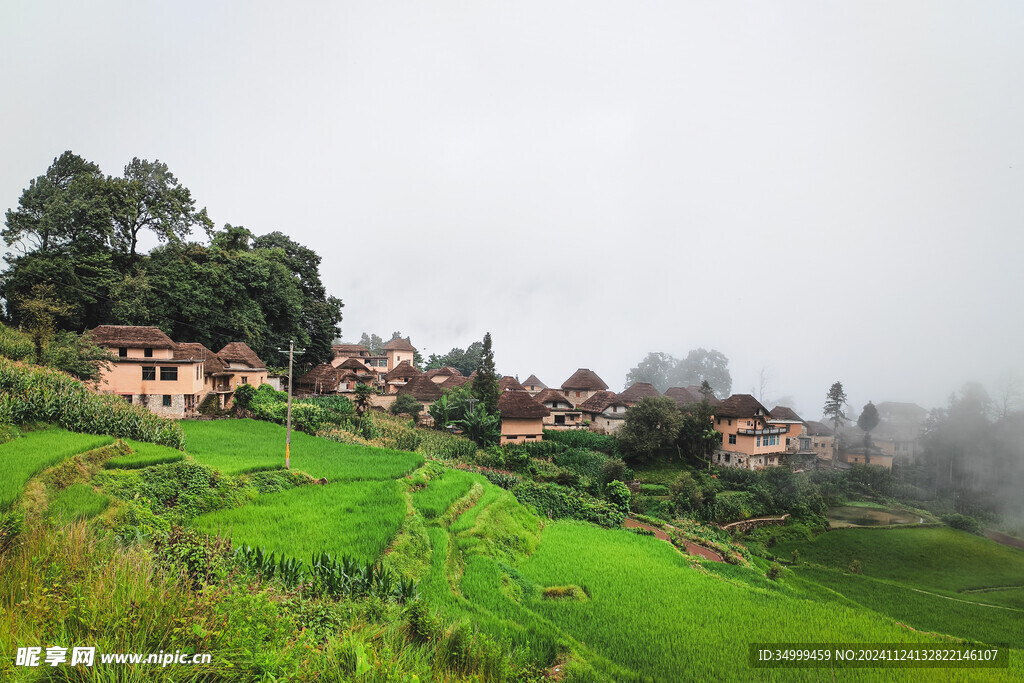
(173, 378)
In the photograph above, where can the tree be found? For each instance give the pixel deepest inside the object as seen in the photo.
(485, 384)
(480, 426)
(834, 402)
(373, 343)
(656, 368)
(149, 197)
(406, 403)
(651, 427)
(867, 421)
(361, 398)
(617, 494)
(702, 365)
(465, 361)
(40, 313)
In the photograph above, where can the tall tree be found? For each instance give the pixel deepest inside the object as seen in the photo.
(41, 312)
(373, 343)
(485, 384)
(463, 360)
(149, 197)
(834, 402)
(867, 421)
(651, 427)
(656, 368)
(702, 365)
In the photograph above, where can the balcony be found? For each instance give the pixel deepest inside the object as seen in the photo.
(762, 432)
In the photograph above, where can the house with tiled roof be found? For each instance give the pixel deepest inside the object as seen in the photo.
(822, 440)
(562, 413)
(605, 410)
(534, 385)
(398, 351)
(400, 376)
(797, 440)
(583, 384)
(638, 391)
(522, 417)
(510, 383)
(439, 375)
(748, 440)
(683, 396)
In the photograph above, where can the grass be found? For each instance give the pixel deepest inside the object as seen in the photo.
(442, 491)
(241, 446)
(934, 558)
(144, 455)
(350, 518)
(78, 501)
(26, 456)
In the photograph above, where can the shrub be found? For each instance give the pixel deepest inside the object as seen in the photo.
(963, 522)
(582, 438)
(617, 494)
(32, 394)
(406, 403)
(559, 502)
(774, 571)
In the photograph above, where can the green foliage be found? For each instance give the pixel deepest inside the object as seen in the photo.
(617, 494)
(485, 384)
(651, 427)
(963, 522)
(465, 361)
(699, 367)
(585, 439)
(30, 394)
(481, 426)
(78, 501)
(775, 571)
(33, 452)
(558, 502)
(833, 408)
(245, 394)
(405, 403)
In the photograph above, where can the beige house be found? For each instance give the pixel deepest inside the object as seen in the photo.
(425, 391)
(562, 413)
(399, 351)
(534, 385)
(583, 384)
(400, 376)
(522, 417)
(606, 412)
(798, 441)
(822, 440)
(748, 440)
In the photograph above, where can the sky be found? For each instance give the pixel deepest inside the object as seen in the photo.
(822, 191)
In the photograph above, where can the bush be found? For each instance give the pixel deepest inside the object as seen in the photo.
(617, 494)
(405, 403)
(582, 438)
(32, 394)
(774, 571)
(963, 522)
(559, 502)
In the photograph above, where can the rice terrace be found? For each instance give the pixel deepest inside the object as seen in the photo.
(396, 556)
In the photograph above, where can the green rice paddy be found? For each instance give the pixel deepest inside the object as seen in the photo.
(78, 501)
(25, 456)
(441, 492)
(144, 455)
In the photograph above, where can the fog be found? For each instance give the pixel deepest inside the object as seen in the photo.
(826, 192)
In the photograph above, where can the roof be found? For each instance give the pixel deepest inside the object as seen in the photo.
(403, 370)
(784, 413)
(196, 351)
(586, 380)
(520, 405)
(818, 428)
(532, 381)
(741, 405)
(324, 375)
(422, 389)
(350, 350)
(698, 391)
(600, 401)
(454, 382)
(355, 366)
(682, 396)
(135, 336)
(638, 391)
(399, 345)
(239, 352)
(510, 383)
(552, 396)
(446, 371)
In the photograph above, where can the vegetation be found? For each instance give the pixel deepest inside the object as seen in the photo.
(485, 384)
(440, 493)
(406, 404)
(32, 394)
(833, 408)
(464, 360)
(78, 501)
(144, 455)
(700, 366)
(34, 451)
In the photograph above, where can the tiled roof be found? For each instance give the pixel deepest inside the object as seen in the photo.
(510, 383)
(399, 345)
(239, 352)
(520, 405)
(422, 389)
(784, 413)
(638, 391)
(196, 351)
(584, 380)
(134, 336)
(553, 396)
(741, 405)
(532, 381)
(403, 371)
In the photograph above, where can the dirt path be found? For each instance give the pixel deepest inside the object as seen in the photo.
(1000, 537)
(691, 548)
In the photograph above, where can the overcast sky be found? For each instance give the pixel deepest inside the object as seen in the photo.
(825, 190)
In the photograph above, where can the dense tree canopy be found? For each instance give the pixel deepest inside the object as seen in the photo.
(78, 231)
(700, 365)
(463, 360)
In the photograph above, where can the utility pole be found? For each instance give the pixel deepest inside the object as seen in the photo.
(288, 423)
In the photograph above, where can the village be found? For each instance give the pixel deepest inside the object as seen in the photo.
(175, 379)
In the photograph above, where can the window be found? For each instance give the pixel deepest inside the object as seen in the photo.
(727, 457)
(559, 419)
(148, 372)
(197, 372)
(122, 352)
(127, 397)
(245, 380)
(577, 394)
(167, 400)
(758, 442)
(511, 438)
(732, 438)
(787, 440)
(730, 422)
(148, 353)
(169, 374)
